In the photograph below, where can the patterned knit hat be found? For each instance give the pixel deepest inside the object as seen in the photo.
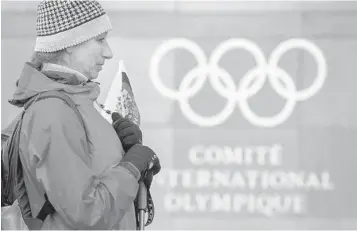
(66, 23)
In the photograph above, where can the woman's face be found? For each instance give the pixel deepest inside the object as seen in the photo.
(89, 57)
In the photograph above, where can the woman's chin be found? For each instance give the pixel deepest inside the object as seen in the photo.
(93, 76)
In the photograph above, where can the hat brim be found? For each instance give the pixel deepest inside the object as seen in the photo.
(74, 36)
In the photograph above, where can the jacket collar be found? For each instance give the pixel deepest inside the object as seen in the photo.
(36, 79)
(63, 74)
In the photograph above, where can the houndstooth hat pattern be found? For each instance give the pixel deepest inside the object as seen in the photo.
(66, 23)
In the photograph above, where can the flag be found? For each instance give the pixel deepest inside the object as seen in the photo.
(121, 97)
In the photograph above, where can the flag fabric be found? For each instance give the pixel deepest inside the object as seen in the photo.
(120, 98)
(126, 105)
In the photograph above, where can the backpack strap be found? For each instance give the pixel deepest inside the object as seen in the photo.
(47, 207)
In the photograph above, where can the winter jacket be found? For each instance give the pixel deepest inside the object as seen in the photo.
(77, 167)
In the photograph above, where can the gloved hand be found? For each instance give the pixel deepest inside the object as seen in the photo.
(144, 159)
(128, 132)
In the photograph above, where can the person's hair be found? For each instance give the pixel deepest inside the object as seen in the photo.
(38, 58)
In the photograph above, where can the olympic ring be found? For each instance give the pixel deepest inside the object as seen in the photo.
(251, 83)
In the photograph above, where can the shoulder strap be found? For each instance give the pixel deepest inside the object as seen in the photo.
(47, 207)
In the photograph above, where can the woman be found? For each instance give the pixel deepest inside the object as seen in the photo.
(88, 177)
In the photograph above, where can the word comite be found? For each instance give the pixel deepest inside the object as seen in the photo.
(215, 155)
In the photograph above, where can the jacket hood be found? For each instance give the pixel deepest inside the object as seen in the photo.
(34, 80)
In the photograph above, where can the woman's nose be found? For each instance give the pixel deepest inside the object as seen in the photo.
(107, 51)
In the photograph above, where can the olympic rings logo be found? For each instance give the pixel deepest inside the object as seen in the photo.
(249, 85)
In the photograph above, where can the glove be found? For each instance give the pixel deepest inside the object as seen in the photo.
(128, 132)
(143, 158)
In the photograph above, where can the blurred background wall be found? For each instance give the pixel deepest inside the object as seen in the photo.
(237, 174)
